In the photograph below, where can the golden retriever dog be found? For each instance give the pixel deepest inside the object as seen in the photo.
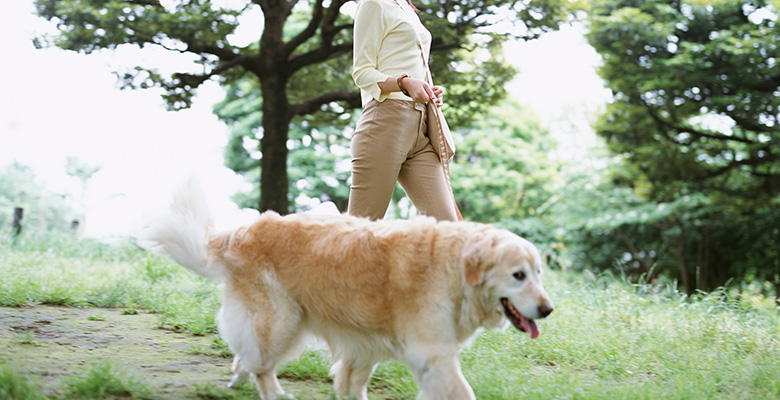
(413, 290)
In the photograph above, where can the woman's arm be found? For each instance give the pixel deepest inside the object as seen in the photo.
(368, 33)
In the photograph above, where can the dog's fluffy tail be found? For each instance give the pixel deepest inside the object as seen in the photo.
(183, 232)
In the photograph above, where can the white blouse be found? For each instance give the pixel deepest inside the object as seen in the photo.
(386, 37)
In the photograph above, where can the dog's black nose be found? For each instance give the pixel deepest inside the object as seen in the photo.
(545, 309)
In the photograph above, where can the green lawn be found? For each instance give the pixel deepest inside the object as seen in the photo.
(607, 339)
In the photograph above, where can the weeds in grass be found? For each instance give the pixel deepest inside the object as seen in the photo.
(311, 365)
(217, 348)
(15, 385)
(395, 379)
(211, 391)
(88, 273)
(26, 337)
(101, 382)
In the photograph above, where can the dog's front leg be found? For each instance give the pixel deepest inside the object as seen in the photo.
(440, 378)
(269, 387)
(239, 374)
(351, 379)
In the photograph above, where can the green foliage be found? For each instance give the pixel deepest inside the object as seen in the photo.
(42, 210)
(318, 166)
(502, 168)
(474, 76)
(199, 27)
(79, 169)
(692, 239)
(696, 82)
(694, 122)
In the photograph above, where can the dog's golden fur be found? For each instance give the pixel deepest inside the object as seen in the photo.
(410, 290)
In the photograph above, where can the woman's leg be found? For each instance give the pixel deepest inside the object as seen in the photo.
(423, 180)
(383, 139)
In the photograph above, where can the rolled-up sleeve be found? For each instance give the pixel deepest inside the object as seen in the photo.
(369, 31)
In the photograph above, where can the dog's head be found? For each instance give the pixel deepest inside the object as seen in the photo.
(509, 268)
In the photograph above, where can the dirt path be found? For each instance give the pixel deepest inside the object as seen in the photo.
(51, 343)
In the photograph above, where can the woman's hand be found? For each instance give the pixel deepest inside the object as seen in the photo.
(422, 92)
(438, 91)
(419, 91)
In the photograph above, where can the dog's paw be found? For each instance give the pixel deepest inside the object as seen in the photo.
(234, 381)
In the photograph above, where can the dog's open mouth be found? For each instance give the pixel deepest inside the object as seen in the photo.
(518, 320)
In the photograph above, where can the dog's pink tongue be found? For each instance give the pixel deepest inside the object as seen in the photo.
(530, 326)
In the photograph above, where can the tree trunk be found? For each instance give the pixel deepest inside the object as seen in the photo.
(681, 256)
(777, 291)
(272, 69)
(17, 225)
(274, 184)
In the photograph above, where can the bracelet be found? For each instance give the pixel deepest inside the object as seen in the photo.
(400, 86)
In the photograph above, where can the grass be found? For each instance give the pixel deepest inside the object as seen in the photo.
(607, 338)
(100, 381)
(56, 271)
(15, 385)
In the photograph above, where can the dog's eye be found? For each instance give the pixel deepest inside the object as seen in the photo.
(520, 276)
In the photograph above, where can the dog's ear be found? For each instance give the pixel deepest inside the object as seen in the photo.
(477, 256)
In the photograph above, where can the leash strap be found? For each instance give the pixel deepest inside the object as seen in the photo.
(444, 156)
(445, 160)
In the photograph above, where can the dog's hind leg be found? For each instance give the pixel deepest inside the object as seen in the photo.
(262, 335)
(279, 337)
(351, 379)
(283, 341)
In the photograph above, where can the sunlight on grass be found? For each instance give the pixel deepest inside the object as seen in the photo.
(607, 338)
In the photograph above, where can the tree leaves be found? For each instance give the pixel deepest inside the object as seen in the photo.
(695, 123)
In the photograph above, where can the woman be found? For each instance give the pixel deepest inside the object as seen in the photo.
(390, 143)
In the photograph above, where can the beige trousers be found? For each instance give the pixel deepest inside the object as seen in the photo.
(391, 144)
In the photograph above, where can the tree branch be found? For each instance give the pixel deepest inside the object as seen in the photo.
(195, 80)
(308, 32)
(325, 19)
(318, 55)
(155, 3)
(223, 53)
(667, 125)
(751, 125)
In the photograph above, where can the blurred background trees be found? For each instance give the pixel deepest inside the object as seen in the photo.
(694, 123)
(301, 64)
(43, 210)
(685, 186)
